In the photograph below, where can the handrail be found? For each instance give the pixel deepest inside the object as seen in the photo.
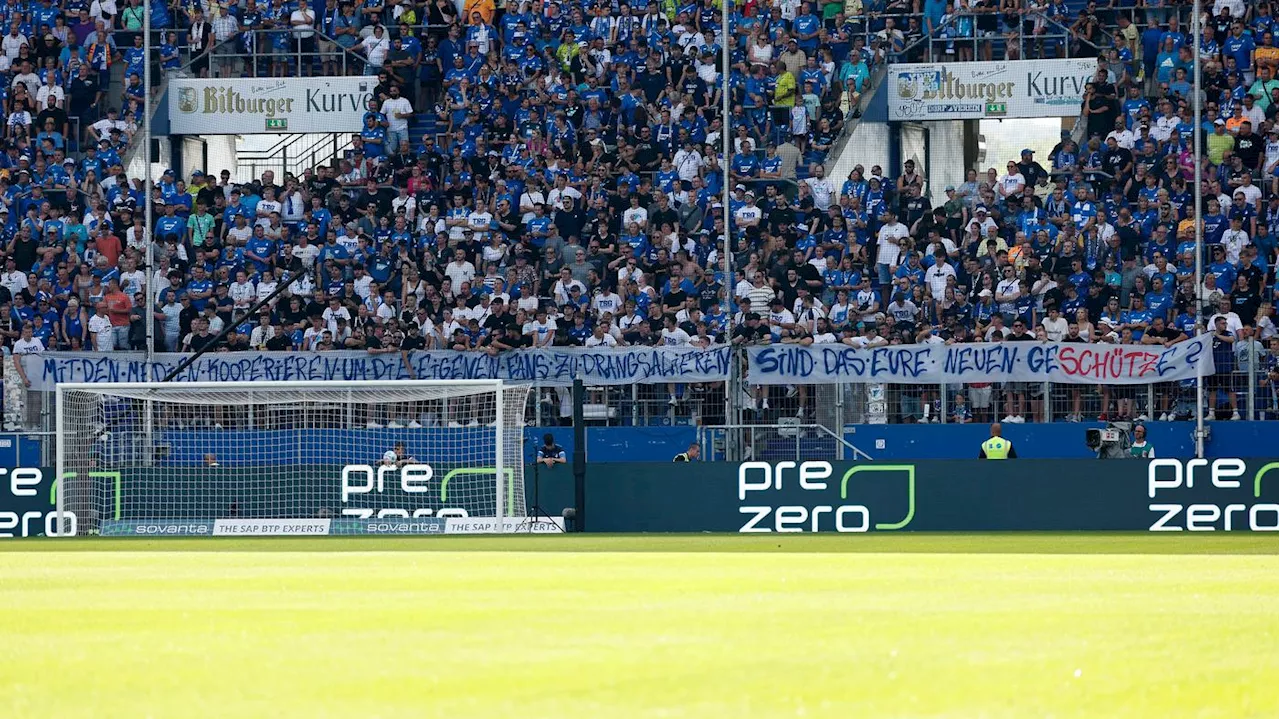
(706, 432)
(218, 51)
(852, 119)
(305, 159)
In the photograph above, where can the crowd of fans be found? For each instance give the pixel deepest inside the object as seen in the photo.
(570, 192)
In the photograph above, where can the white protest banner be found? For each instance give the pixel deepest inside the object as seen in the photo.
(548, 367)
(272, 106)
(972, 90)
(1060, 362)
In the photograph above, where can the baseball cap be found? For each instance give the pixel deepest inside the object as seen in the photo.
(950, 188)
(1028, 151)
(1219, 121)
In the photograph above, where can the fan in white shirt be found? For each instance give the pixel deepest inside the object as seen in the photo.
(1165, 127)
(600, 338)
(13, 42)
(102, 128)
(15, 281)
(392, 107)
(891, 234)
(607, 301)
(807, 316)
(104, 10)
(410, 205)
(936, 278)
(527, 202)
(332, 314)
(781, 317)
(103, 333)
(688, 163)
(1055, 325)
(1124, 138)
(1235, 240)
(48, 91)
(562, 291)
(673, 336)
(822, 189)
(479, 221)
(28, 345)
(266, 207)
(557, 195)
(1012, 182)
(242, 292)
(460, 270)
(376, 47)
(363, 285)
(638, 215)
(259, 336)
(132, 281)
(266, 287)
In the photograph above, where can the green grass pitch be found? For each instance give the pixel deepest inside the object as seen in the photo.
(907, 625)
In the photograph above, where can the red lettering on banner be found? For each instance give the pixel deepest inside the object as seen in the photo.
(1112, 364)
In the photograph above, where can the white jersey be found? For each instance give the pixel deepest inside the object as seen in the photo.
(674, 338)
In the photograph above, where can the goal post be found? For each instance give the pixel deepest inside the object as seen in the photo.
(244, 458)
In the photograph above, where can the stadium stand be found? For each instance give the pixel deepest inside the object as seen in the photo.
(550, 173)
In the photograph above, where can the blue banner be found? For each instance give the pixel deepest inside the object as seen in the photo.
(1061, 362)
(548, 367)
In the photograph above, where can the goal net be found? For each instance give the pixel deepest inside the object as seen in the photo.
(402, 457)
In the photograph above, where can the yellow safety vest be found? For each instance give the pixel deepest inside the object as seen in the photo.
(997, 448)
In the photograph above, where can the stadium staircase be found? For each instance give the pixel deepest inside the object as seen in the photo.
(424, 122)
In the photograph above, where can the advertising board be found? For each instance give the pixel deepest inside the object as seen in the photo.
(248, 106)
(28, 496)
(974, 90)
(936, 496)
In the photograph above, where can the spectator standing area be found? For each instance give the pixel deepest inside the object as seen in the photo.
(545, 175)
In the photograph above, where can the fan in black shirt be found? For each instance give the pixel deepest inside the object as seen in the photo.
(750, 331)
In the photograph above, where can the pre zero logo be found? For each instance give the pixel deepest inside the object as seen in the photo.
(785, 481)
(1175, 482)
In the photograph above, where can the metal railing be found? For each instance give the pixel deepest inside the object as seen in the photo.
(271, 53)
(292, 155)
(792, 440)
(943, 47)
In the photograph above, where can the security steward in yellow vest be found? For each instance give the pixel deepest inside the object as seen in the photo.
(997, 447)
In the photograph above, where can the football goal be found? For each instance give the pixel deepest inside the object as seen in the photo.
(244, 458)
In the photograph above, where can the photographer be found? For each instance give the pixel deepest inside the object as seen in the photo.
(550, 453)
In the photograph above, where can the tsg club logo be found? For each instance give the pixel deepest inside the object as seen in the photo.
(862, 497)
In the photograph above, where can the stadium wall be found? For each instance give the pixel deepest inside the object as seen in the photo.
(973, 496)
(754, 497)
(883, 442)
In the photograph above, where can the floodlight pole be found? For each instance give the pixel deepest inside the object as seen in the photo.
(579, 456)
(1196, 32)
(726, 146)
(148, 286)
